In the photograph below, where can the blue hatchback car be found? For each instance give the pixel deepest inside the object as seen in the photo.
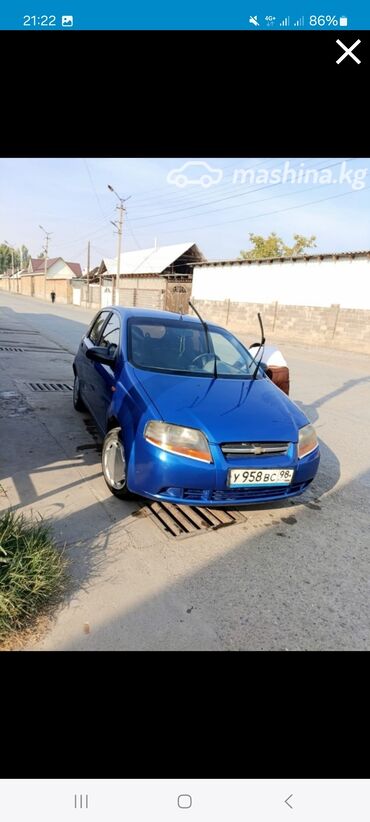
(186, 415)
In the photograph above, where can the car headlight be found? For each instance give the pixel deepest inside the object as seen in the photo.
(307, 440)
(187, 442)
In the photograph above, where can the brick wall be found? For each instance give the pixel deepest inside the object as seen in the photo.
(33, 286)
(38, 286)
(62, 288)
(336, 327)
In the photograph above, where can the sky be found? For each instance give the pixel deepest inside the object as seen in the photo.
(70, 198)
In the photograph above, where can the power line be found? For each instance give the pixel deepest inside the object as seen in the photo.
(128, 223)
(241, 205)
(202, 196)
(267, 213)
(94, 189)
(176, 193)
(227, 197)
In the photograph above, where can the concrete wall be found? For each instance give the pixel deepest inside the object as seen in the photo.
(142, 297)
(27, 285)
(62, 288)
(38, 286)
(307, 283)
(14, 286)
(142, 283)
(33, 285)
(332, 326)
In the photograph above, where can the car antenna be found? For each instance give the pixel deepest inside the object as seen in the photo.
(261, 345)
(205, 326)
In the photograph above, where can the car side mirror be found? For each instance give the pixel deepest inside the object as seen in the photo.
(99, 353)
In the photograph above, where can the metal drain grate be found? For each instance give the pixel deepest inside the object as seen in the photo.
(187, 520)
(16, 330)
(50, 387)
(34, 349)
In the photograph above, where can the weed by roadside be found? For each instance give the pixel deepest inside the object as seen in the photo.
(32, 573)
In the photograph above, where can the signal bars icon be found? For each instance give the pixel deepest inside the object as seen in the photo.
(285, 22)
(299, 22)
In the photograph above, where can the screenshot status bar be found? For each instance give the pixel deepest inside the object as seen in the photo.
(74, 15)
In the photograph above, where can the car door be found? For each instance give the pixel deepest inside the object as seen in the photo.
(105, 376)
(85, 367)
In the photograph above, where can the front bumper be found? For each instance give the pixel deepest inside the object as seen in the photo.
(160, 475)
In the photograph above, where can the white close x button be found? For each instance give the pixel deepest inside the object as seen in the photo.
(348, 51)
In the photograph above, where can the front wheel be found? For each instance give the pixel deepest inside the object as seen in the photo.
(77, 401)
(114, 464)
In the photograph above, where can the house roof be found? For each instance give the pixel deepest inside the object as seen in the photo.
(76, 268)
(38, 265)
(307, 257)
(151, 260)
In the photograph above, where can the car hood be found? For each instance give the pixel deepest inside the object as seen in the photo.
(227, 410)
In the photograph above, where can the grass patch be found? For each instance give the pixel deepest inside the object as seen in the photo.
(32, 572)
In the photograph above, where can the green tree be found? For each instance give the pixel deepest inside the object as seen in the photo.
(25, 256)
(19, 254)
(274, 246)
(5, 258)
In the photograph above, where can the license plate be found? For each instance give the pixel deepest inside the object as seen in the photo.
(255, 476)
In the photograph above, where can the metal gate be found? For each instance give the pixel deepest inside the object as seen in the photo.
(76, 298)
(177, 297)
(106, 295)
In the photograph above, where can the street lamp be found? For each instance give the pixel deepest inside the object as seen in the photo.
(118, 225)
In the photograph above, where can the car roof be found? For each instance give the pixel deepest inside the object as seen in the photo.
(151, 314)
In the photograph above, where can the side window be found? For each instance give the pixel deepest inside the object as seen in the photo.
(97, 327)
(111, 332)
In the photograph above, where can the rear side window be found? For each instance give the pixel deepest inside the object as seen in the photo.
(96, 330)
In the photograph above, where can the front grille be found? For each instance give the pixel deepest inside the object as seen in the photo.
(242, 494)
(254, 449)
(248, 494)
(195, 493)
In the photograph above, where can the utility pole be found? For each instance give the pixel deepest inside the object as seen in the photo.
(88, 274)
(46, 249)
(121, 208)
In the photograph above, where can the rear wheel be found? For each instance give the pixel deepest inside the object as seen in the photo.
(77, 401)
(114, 464)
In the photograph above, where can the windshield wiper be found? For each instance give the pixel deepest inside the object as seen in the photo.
(208, 341)
(261, 345)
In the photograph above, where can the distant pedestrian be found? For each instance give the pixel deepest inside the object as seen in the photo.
(53, 295)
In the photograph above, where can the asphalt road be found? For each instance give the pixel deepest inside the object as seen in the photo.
(295, 576)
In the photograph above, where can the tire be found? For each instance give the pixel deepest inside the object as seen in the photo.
(77, 401)
(114, 464)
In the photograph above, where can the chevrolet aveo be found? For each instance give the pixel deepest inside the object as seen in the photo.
(188, 415)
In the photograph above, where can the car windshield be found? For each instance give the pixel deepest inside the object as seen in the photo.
(179, 346)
